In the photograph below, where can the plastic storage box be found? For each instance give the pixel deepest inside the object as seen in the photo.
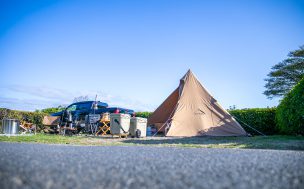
(10, 126)
(138, 123)
(119, 123)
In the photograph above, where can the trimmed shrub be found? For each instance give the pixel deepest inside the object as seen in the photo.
(32, 117)
(290, 112)
(262, 119)
(51, 110)
(143, 114)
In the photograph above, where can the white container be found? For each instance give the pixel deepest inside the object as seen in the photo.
(119, 123)
(10, 126)
(138, 123)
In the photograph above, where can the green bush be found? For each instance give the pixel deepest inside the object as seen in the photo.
(143, 114)
(51, 110)
(261, 119)
(32, 117)
(290, 112)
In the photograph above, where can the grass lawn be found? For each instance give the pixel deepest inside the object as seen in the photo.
(257, 142)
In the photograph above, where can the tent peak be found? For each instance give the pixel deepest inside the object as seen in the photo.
(189, 73)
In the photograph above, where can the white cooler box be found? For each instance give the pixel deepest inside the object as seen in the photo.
(119, 123)
(138, 123)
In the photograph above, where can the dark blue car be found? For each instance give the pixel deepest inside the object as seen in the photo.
(79, 110)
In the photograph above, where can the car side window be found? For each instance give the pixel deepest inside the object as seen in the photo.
(85, 106)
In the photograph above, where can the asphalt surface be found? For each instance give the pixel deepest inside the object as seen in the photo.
(60, 166)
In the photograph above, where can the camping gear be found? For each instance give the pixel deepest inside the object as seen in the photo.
(52, 123)
(149, 131)
(27, 127)
(104, 124)
(120, 124)
(10, 126)
(68, 127)
(138, 127)
(191, 111)
(51, 120)
(70, 119)
(92, 122)
(153, 130)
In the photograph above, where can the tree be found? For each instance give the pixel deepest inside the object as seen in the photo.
(233, 107)
(286, 74)
(81, 98)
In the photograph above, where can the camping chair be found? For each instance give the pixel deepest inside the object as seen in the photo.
(27, 127)
(105, 125)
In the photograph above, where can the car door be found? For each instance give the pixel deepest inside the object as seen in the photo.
(83, 109)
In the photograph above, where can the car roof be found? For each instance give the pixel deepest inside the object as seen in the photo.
(91, 101)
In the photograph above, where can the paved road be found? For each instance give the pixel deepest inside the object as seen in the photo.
(59, 166)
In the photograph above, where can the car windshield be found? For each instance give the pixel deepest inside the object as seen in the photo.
(82, 106)
(72, 107)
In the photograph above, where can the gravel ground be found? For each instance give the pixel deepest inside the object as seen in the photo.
(62, 166)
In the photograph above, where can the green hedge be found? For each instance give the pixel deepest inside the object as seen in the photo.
(262, 119)
(51, 110)
(143, 114)
(290, 112)
(33, 117)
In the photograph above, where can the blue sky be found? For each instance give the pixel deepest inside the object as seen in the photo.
(133, 53)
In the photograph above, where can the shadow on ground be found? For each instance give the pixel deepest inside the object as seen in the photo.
(258, 142)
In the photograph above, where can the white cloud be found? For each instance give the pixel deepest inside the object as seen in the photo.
(38, 97)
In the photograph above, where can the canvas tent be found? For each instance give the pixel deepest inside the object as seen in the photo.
(191, 111)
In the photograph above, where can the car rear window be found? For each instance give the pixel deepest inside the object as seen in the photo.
(102, 105)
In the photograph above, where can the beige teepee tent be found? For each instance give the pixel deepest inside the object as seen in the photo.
(191, 111)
